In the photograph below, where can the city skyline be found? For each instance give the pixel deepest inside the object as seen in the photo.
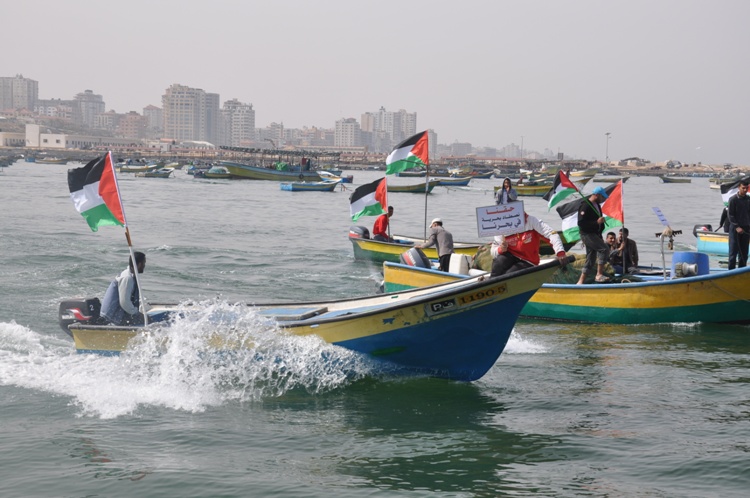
(664, 79)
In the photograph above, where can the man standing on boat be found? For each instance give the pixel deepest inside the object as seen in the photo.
(381, 227)
(738, 212)
(521, 250)
(122, 299)
(590, 227)
(443, 240)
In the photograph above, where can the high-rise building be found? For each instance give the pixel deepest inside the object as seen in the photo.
(394, 126)
(88, 106)
(347, 133)
(239, 123)
(55, 108)
(191, 114)
(154, 117)
(18, 93)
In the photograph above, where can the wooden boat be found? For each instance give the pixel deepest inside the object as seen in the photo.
(674, 179)
(482, 176)
(454, 331)
(215, 172)
(711, 242)
(410, 173)
(331, 177)
(610, 179)
(418, 188)
(158, 173)
(137, 168)
(720, 296)
(248, 172)
(51, 160)
(585, 172)
(308, 186)
(454, 181)
(379, 251)
(530, 190)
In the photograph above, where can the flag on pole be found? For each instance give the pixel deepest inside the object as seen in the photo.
(94, 192)
(729, 189)
(412, 152)
(369, 200)
(562, 187)
(569, 213)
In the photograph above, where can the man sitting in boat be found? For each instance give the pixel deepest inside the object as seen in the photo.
(626, 252)
(380, 228)
(122, 299)
(521, 250)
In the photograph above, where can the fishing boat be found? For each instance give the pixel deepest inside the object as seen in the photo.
(249, 172)
(610, 179)
(411, 173)
(674, 179)
(214, 172)
(455, 331)
(530, 190)
(458, 181)
(417, 188)
(713, 295)
(325, 186)
(585, 172)
(157, 173)
(51, 160)
(137, 168)
(486, 175)
(332, 177)
(379, 251)
(711, 242)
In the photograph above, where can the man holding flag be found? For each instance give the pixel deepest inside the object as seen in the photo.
(590, 226)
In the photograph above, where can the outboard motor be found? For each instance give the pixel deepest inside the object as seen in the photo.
(359, 232)
(704, 227)
(415, 257)
(80, 310)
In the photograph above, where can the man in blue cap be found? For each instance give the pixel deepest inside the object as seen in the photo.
(591, 226)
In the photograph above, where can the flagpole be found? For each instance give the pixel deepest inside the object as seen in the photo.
(624, 249)
(141, 299)
(426, 192)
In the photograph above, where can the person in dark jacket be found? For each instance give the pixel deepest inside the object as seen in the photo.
(738, 212)
(590, 227)
(506, 193)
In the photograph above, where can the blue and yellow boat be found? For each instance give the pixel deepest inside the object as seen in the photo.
(456, 330)
(720, 296)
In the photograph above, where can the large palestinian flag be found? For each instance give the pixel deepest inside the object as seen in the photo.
(562, 187)
(611, 208)
(94, 192)
(369, 200)
(729, 189)
(412, 152)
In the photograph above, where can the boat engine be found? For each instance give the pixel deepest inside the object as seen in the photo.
(81, 310)
(415, 257)
(359, 232)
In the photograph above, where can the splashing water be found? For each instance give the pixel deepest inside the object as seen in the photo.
(212, 354)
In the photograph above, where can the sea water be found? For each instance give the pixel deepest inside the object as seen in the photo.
(568, 410)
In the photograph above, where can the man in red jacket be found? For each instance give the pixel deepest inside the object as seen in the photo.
(380, 228)
(521, 250)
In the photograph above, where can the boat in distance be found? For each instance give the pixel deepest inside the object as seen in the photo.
(718, 296)
(156, 173)
(417, 188)
(326, 186)
(248, 172)
(454, 331)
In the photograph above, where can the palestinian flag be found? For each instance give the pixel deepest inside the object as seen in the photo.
(562, 187)
(94, 192)
(729, 189)
(369, 200)
(569, 213)
(408, 154)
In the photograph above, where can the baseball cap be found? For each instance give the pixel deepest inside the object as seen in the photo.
(600, 191)
(438, 220)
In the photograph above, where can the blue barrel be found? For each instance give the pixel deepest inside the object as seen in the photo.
(693, 258)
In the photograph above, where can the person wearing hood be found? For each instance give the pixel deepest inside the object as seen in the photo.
(442, 239)
(122, 299)
(521, 250)
(506, 193)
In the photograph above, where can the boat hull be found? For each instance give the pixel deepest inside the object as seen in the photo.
(720, 297)
(712, 242)
(374, 250)
(454, 331)
(418, 188)
(308, 187)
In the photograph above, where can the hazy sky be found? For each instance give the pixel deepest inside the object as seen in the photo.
(668, 79)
